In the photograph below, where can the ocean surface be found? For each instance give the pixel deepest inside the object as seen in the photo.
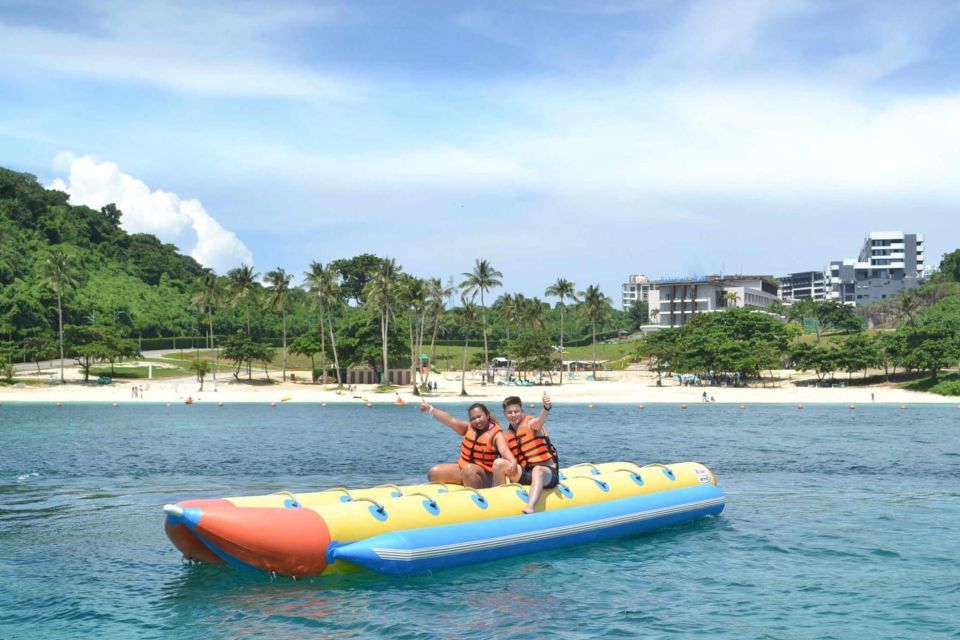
(839, 524)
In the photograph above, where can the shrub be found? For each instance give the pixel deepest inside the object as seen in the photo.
(947, 388)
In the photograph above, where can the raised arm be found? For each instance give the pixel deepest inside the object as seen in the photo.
(459, 426)
(541, 420)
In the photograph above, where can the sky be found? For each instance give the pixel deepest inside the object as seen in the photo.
(588, 140)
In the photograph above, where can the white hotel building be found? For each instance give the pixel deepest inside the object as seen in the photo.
(889, 262)
(674, 301)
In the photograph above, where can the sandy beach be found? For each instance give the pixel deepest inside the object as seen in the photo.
(625, 387)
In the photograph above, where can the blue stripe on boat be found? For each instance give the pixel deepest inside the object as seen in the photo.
(431, 548)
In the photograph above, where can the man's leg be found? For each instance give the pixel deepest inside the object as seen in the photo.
(538, 476)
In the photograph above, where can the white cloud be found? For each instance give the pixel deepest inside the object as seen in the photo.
(161, 213)
(192, 48)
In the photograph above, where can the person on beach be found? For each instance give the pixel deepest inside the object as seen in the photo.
(538, 464)
(484, 453)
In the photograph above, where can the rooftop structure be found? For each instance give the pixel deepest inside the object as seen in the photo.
(675, 300)
(636, 288)
(889, 261)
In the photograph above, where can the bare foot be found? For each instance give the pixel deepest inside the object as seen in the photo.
(527, 510)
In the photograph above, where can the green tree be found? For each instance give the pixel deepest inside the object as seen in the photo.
(201, 368)
(309, 344)
(440, 294)
(467, 316)
(60, 276)
(949, 267)
(481, 280)
(242, 287)
(206, 296)
(279, 282)
(594, 308)
(356, 273)
(381, 296)
(565, 290)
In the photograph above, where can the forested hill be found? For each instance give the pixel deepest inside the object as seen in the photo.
(125, 279)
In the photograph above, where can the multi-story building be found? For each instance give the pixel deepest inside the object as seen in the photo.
(889, 262)
(804, 285)
(637, 288)
(675, 300)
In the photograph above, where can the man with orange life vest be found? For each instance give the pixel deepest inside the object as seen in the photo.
(483, 452)
(537, 462)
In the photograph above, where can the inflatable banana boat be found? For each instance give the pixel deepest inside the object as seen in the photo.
(406, 530)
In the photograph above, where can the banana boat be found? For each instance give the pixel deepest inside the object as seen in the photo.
(406, 530)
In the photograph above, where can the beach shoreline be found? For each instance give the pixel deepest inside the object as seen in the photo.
(635, 387)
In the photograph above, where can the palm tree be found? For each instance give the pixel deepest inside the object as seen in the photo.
(206, 294)
(483, 278)
(439, 295)
(381, 297)
(510, 308)
(279, 281)
(324, 282)
(594, 308)
(60, 275)
(415, 295)
(730, 298)
(467, 319)
(242, 288)
(562, 289)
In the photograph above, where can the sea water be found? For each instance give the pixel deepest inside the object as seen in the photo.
(840, 523)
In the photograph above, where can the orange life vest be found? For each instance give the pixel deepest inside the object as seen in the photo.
(479, 449)
(531, 448)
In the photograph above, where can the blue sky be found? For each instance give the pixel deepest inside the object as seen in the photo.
(588, 140)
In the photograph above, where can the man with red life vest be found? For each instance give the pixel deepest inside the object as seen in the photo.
(537, 462)
(483, 453)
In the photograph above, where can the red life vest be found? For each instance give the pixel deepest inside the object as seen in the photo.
(480, 450)
(531, 448)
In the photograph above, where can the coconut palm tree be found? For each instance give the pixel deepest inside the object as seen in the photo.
(414, 295)
(482, 279)
(60, 275)
(509, 307)
(381, 297)
(279, 281)
(594, 308)
(562, 289)
(439, 295)
(206, 295)
(467, 319)
(242, 288)
(324, 282)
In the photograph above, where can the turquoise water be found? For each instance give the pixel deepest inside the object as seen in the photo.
(839, 524)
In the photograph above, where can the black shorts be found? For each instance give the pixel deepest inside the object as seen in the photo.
(526, 477)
